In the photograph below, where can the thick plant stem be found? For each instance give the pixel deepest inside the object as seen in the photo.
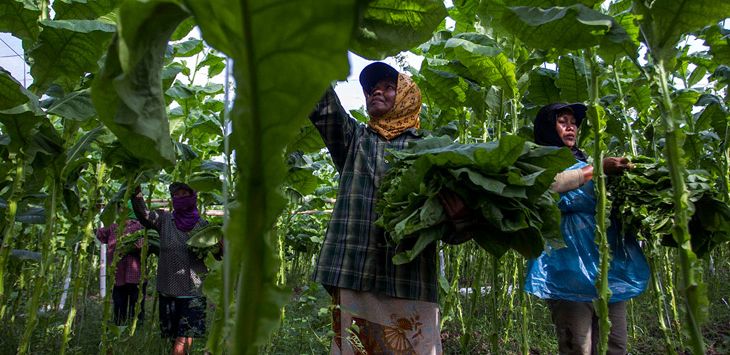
(604, 293)
(497, 324)
(524, 312)
(691, 285)
(8, 232)
(627, 122)
(40, 280)
(79, 265)
(143, 273)
(660, 309)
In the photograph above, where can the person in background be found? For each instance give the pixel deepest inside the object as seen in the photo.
(393, 308)
(566, 277)
(126, 279)
(179, 271)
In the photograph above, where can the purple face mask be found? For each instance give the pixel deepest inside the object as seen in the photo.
(185, 212)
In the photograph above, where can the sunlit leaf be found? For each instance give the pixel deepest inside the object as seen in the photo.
(128, 92)
(573, 78)
(66, 50)
(391, 26)
(20, 18)
(280, 72)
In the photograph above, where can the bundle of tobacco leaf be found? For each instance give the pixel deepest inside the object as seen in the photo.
(127, 244)
(642, 204)
(205, 240)
(504, 183)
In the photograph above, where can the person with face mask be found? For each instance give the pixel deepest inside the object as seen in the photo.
(379, 308)
(179, 271)
(566, 277)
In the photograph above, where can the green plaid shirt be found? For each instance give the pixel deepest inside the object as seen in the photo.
(355, 254)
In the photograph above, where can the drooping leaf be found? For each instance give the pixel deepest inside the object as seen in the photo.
(542, 89)
(214, 63)
(75, 156)
(573, 78)
(20, 113)
(83, 9)
(20, 18)
(76, 106)
(128, 92)
(302, 180)
(183, 29)
(12, 92)
(307, 141)
(187, 48)
(718, 39)
(565, 27)
(280, 72)
(665, 21)
(205, 182)
(66, 50)
(391, 26)
(488, 65)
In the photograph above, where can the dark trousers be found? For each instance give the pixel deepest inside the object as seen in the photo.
(125, 299)
(577, 326)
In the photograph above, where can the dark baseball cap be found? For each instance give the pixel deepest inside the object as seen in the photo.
(179, 185)
(375, 72)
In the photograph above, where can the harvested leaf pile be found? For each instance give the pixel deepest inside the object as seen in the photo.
(205, 240)
(642, 202)
(505, 183)
(127, 244)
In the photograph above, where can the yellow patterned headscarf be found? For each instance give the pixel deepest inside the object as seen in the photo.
(405, 113)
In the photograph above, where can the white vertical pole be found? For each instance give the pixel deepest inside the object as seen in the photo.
(102, 271)
(67, 282)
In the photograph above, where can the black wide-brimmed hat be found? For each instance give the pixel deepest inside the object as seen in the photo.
(544, 129)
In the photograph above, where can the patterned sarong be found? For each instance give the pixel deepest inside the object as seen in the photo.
(369, 323)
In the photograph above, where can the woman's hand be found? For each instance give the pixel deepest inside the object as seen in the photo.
(616, 165)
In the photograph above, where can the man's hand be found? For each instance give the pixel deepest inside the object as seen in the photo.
(460, 217)
(616, 165)
(453, 205)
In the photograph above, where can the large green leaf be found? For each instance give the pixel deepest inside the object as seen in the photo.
(718, 39)
(665, 21)
(563, 27)
(20, 18)
(573, 78)
(486, 64)
(442, 88)
(280, 72)
(75, 156)
(12, 92)
(19, 112)
(128, 92)
(307, 141)
(83, 9)
(66, 50)
(542, 89)
(76, 106)
(391, 26)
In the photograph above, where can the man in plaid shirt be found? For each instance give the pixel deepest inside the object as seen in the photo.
(393, 306)
(126, 279)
